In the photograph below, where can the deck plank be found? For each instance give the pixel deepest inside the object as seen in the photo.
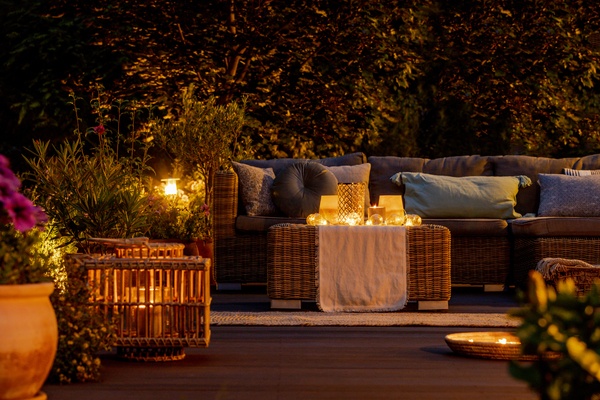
(249, 362)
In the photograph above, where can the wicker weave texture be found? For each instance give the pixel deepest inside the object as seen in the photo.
(583, 274)
(152, 302)
(529, 251)
(480, 260)
(292, 262)
(239, 257)
(429, 260)
(292, 258)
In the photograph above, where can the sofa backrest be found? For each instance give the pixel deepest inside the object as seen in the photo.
(383, 167)
(528, 198)
(279, 164)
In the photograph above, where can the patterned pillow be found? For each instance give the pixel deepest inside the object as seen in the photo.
(580, 172)
(255, 187)
(569, 196)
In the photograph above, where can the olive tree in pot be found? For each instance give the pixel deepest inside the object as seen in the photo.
(203, 136)
(28, 322)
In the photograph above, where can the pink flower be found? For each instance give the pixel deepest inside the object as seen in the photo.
(206, 209)
(8, 181)
(99, 130)
(4, 163)
(19, 209)
(23, 213)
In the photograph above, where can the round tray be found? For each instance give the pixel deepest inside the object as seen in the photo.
(491, 345)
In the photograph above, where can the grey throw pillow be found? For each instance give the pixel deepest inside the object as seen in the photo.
(298, 189)
(255, 188)
(569, 196)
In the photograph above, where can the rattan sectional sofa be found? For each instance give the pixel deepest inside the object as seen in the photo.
(484, 251)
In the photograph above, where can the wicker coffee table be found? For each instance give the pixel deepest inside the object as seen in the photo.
(292, 262)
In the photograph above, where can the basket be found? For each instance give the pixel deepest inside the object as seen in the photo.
(583, 274)
(491, 345)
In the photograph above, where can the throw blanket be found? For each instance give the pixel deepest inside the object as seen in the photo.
(362, 268)
(547, 266)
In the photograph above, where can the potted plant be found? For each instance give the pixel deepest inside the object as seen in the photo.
(182, 217)
(203, 136)
(28, 322)
(560, 321)
(90, 185)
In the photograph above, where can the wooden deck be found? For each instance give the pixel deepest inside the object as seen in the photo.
(313, 363)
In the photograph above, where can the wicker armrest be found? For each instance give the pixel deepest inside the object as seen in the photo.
(225, 204)
(557, 269)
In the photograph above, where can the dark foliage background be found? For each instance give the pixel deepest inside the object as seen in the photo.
(409, 78)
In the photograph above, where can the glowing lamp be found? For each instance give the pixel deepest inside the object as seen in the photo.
(170, 186)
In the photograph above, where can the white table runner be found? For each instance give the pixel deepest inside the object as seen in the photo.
(362, 268)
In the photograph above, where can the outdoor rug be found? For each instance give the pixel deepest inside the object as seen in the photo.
(292, 318)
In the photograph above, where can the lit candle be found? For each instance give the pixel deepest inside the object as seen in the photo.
(377, 210)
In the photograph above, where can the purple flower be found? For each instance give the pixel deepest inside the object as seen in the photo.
(99, 130)
(8, 181)
(4, 163)
(206, 209)
(23, 213)
(19, 209)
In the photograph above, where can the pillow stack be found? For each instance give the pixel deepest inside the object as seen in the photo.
(296, 190)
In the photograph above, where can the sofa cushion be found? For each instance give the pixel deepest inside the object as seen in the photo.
(439, 196)
(588, 162)
(297, 190)
(383, 167)
(353, 174)
(255, 188)
(569, 196)
(280, 164)
(262, 224)
(528, 198)
(556, 226)
(472, 226)
(580, 172)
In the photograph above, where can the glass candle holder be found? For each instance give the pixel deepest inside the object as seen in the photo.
(376, 210)
(413, 220)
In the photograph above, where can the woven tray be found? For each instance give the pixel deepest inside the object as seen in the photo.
(490, 345)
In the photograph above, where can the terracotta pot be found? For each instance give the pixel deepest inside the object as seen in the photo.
(28, 339)
(205, 248)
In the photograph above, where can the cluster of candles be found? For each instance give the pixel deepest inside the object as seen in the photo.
(376, 216)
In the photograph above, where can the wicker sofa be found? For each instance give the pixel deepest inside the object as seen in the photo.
(484, 251)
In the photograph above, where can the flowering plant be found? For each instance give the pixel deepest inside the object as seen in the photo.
(20, 261)
(183, 215)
